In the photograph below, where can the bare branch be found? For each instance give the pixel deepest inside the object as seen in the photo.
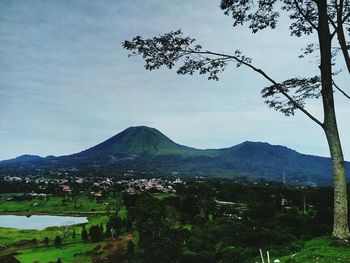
(262, 73)
(340, 33)
(168, 49)
(341, 91)
(345, 18)
(334, 26)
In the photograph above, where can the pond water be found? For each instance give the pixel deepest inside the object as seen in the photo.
(39, 222)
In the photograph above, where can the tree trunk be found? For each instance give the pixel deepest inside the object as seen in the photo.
(340, 216)
(340, 223)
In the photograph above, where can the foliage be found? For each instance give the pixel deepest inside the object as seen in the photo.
(261, 223)
(95, 233)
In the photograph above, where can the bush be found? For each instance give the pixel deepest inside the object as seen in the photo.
(58, 241)
(95, 233)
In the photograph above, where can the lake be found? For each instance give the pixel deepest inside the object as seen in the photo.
(39, 222)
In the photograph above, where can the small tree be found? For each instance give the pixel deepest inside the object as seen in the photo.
(108, 209)
(108, 233)
(115, 223)
(101, 228)
(46, 241)
(95, 233)
(84, 234)
(127, 223)
(57, 242)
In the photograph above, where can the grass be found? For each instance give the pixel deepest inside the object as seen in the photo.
(162, 196)
(67, 253)
(320, 250)
(9, 235)
(60, 205)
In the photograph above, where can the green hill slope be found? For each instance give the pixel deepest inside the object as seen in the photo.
(141, 140)
(320, 250)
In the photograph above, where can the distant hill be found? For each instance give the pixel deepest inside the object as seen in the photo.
(24, 158)
(146, 149)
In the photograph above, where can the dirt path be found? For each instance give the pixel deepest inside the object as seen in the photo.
(114, 250)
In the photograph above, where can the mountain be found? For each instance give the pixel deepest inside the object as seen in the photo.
(139, 140)
(263, 160)
(24, 159)
(147, 150)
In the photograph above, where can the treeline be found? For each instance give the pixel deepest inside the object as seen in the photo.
(112, 229)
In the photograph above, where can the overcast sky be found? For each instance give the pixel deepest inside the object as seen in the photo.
(66, 84)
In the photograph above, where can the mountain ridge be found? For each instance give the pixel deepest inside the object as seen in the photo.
(147, 149)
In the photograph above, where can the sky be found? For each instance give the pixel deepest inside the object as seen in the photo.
(66, 83)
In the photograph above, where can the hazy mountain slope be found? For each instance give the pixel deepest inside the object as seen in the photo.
(24, 159)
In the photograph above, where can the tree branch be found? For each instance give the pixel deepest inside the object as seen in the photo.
(334, 27)
(342, 40)
(345, 17)
(339, 30)
(339, 89)
(304, 16)
(262, 73)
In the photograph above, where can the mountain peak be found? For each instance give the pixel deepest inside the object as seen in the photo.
(254, 148)
(139, 140)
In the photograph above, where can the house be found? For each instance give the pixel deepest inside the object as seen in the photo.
(65, 187)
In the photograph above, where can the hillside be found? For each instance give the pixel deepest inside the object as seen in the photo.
(140, 140)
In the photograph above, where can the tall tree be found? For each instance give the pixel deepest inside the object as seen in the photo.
(330, 21)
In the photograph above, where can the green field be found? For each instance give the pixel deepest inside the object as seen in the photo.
(320, 250)
(60, 205)
(68, 253)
